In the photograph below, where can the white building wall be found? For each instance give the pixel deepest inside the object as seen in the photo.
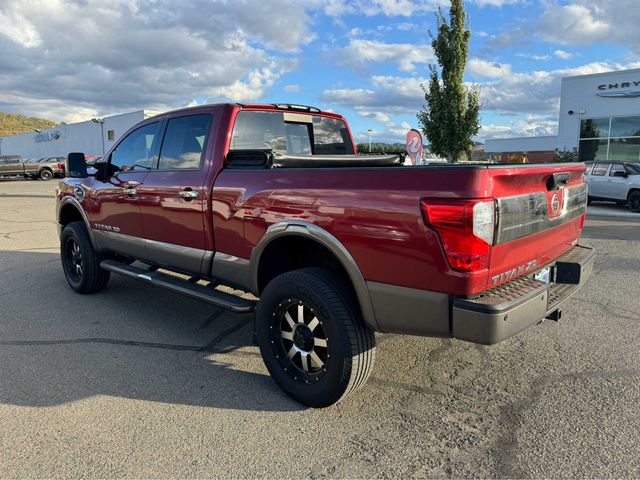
(88, 137)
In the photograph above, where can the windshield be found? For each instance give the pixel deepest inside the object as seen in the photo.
(291, 133)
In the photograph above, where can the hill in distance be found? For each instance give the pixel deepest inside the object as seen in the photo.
(13, 123)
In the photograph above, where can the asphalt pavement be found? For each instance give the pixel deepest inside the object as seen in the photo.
(140, 382)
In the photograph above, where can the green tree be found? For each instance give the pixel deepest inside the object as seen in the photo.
(450, 117)
(565, 155)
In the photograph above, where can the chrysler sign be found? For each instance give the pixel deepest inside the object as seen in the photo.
(619, 90)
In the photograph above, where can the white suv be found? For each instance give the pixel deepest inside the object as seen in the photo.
(615, 181)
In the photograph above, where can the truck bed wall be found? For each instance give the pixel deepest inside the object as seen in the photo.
(375, 213)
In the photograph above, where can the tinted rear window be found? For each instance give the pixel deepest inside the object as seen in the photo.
(634, 168)
(291, 133)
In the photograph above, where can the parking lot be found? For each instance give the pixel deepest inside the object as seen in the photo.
(139, 382)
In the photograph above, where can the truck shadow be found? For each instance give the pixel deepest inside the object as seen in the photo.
(132, 341)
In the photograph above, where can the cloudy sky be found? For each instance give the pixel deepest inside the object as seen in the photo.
(75, 59)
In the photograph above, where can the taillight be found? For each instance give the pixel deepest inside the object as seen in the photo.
(61, 166)
(465, 228)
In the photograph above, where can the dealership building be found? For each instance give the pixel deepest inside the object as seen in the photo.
(599, 116)
(93, 137)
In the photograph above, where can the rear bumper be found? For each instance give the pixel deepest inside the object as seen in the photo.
(507, 310)
(495, 315)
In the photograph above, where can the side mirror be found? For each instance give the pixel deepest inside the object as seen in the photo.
(104, 170)
(620, 174)
(76, 166)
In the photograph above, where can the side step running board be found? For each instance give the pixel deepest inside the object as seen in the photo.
(175, 284)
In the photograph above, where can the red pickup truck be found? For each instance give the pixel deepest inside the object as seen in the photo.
(274, 200)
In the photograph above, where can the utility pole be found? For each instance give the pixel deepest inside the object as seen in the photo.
(370, 132)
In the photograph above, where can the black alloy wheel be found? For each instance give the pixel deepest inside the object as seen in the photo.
(80, 261)
(73, 260)
(300, 340)
(312, 337)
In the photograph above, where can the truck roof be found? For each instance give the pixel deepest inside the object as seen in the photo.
(256, 106)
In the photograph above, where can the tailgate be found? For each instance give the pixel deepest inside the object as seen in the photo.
(539, 216)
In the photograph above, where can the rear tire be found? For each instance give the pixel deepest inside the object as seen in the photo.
(312, 337)
(80, 261)
(46, 174)
(634, 201)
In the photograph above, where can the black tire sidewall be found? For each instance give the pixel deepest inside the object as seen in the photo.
(634, 197)
(333, 384)
(71, 232)
(46, 175)
(93, 277)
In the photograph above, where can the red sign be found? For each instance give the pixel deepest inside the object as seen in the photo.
(414, 146)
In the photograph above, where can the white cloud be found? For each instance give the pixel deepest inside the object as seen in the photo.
(538, 58)
(574, 24)
(388, 94)
(292, 88)
(563, 54)
(377, 116)
(359, 54)
(130, 54)
(369, 8)
(251, 89)
(495, 3)
(529, 126)
(484, 68)
(17, 28)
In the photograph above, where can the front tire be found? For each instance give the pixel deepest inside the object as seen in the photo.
(634, 201)
(80, 262)
(312, 337)
(46, 175)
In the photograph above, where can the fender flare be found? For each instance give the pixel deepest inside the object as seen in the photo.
(331, 243)
(69, 200)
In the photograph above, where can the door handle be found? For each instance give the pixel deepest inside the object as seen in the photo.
(188, 194)
(130, 192)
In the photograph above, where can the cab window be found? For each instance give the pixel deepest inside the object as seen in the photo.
(616, 167)
(600, 169)
(136, 151)
(184, 142)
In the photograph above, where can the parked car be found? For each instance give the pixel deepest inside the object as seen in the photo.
(273, 200)
(18, 167)
(616, 182)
